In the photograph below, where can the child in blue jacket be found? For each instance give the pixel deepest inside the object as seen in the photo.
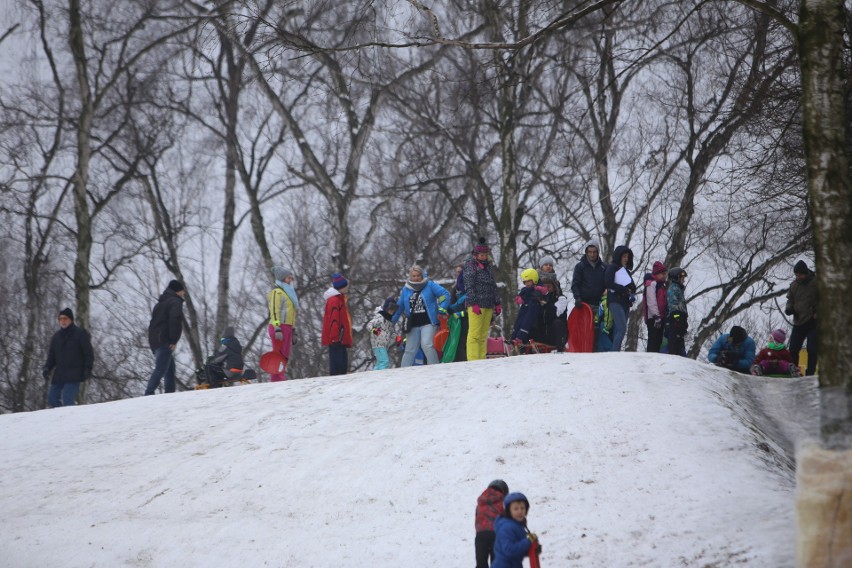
(513, 540)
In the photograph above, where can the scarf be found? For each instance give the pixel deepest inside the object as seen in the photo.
(775, 346)
(290, 291)
(417, 286)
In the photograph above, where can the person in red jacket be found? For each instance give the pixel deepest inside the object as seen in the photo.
(775, 358)
(489, 506)
(337, 325)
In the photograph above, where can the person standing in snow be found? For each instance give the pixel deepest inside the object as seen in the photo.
(677, 316)
(421, 300)
(489, 506)
(283, 303)
(382, 332)
(512, 538)
(458, 324)
(337, 325)
(163, 335)
(482, 299)
(654, 305)
(70, 359)
(587, 282)
(530, 299)
(621, 292)
(802, 302)
(734, 351)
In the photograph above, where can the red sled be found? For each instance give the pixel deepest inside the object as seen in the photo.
(273, 362)
(581, 329)
(534, 561)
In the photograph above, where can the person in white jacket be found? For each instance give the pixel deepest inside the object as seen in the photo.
(383, 332)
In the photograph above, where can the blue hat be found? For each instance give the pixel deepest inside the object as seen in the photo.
(389, 301)
(512, 497)
(338, 281)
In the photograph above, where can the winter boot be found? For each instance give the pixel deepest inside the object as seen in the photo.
(756, 370)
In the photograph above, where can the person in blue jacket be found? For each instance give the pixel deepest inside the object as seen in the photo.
(420, 300)
(734, 351)
(513, 539)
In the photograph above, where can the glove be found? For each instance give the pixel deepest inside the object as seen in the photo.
(498, 309)
(519, 300)
(442, 311)
(541, 290)
(399, 340)
(476, 309)
(293, 339)
(632, 298)
(377, 331)
(658, 323)
(578, 302)
(538, 549)
(789, 311)
(279, 335)
(45, 373)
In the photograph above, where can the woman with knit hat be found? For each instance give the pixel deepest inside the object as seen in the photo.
(337, 325)
(654, 305)
(482, 299)
(283, 303)
(420, 300)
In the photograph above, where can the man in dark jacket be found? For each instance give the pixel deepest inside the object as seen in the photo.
(163, 334)
(69, 361)
(802, 301)
(587, 283)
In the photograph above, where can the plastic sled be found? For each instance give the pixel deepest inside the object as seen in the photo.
(235, 377)
(581, 330)
(273, 362)
(496, 347)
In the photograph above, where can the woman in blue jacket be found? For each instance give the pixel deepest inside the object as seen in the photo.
(421, 300)
(512, 541)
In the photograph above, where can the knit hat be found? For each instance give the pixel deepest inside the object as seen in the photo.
(591, 243)
(338, 281)
(800, 268)
(529, 274)
(176, 286)
(738, 334)
(546, 260)
(659, 268)
(500, 486)
(779, 336)
(481, 247)
(280, 273)
(228, 333)
(389, 301)
(67, 313)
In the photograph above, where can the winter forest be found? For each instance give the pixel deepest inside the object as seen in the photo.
(145, 140)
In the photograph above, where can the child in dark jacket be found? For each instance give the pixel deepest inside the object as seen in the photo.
(513, 539)
(775, 358)
(226, 362)
(489, 506)
(530, 298)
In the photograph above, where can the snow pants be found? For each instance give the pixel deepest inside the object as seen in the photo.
(477, 333)
(284, 348)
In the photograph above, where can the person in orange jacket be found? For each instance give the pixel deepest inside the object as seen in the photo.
(337, 325)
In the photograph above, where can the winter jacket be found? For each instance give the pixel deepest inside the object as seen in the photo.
(528, 315)
(382, 331)
(618, 293)
(552, 328)
(744, 352)
(282, 309)
(336, 322)
(655, 298)
(70, 356)
(480, 284)
(166, 320)
(676, 302)
(489, 506)
(511, 545)
(587, 283)
(802, 300)
(230, 354)
(434, 295)
(774, 352)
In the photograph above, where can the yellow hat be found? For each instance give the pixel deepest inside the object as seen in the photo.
(529, 274)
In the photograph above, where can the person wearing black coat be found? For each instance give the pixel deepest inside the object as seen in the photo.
(587, 282)
(620, 296)
(69, 361)
(163, 334)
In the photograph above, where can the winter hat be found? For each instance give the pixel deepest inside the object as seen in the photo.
(176, 286)
(658, 268)
(511, 498)
(738, 334)
(228, 333)
(460, 283)
(338, 281)
(67, 313)
(547, 260)
(529, 274)
(389, 301)
(779, 336)
(281, 273)
(592, 243)
(800, 268)
(499, 485)
(481, 246)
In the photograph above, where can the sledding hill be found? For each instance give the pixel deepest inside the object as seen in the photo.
(628, 460)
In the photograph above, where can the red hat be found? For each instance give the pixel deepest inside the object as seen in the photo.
(659, 268)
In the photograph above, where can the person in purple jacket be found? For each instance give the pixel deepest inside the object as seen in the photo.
(513, 540)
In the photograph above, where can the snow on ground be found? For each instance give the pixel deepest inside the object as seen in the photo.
(627, 459)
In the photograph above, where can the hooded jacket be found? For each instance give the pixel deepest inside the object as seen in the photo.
(802, 300)
(480, 284)
(744, 351)
(434, 295)
(382, 330)
(656, 298)
(619, 293)
(70, 355)
(587, 282)
(511, 544)
(166, 320)
(489, 506)
(336, 322)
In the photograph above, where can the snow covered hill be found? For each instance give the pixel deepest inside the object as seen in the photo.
(627, 459)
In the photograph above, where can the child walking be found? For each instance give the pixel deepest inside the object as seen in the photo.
(513, 540)
(489, 506)
(775, 358)
(382, 332)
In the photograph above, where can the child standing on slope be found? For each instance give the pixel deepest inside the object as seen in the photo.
(775, 358)
(489, 506)
(513, 540)
(337, 325)
(382, 332)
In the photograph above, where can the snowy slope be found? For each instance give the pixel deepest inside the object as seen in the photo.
(627, 459)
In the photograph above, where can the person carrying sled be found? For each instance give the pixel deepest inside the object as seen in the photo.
(734, 351)
(775, 358)
(421, 300)
(621, 292)
(489, 506)
(513, 540)
(70, 359)
(530, 299)
(227, 362)
(383, 332)
(654, 305)
(455, 349)
(482, 299)
(587, 282)
(283, 303)
(802, 302)
(677, 315)
(337, 325)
